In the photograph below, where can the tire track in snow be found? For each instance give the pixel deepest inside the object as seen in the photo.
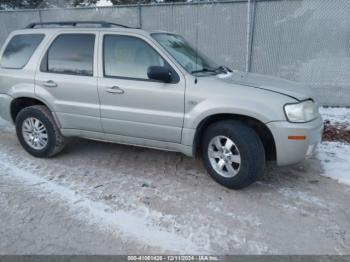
(141, 229)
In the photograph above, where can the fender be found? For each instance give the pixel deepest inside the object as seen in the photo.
(245, 106)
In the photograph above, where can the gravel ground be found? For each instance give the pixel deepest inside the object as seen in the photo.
(100, 198)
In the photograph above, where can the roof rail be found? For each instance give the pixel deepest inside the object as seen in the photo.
(75, 23)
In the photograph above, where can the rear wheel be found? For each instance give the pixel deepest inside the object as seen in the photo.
(38, 133)
(233, 154)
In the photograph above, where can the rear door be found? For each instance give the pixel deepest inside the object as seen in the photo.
(67, 80)
(133, 105)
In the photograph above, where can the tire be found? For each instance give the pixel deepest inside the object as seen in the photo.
(239, 166)
(55, 142)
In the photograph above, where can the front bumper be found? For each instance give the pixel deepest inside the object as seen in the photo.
(5, 101)
(289, 151)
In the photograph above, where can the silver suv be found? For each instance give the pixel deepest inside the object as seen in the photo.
(109, 82)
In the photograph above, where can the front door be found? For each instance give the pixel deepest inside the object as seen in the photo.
(133, 105)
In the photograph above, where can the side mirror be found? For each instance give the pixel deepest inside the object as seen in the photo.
(160, 73)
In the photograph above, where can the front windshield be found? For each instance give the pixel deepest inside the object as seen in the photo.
(184, 54)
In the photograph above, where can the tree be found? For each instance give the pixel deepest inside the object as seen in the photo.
(33, 4)
(128, 2)
(19, 4)
(84, 2)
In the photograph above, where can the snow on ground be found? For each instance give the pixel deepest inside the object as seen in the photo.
(142, 228)
(335, 156)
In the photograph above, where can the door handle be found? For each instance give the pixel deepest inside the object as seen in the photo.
(50, 83)
(115, 90)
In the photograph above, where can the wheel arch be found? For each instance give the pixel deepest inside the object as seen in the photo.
(258, 126)
(20, 102)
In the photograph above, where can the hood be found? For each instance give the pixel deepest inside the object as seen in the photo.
(270, 83)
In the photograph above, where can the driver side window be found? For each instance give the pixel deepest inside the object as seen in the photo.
(128, 57)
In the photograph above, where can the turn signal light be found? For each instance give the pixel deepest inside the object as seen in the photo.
(296, 137)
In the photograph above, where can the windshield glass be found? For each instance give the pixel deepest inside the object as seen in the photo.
(184, 54)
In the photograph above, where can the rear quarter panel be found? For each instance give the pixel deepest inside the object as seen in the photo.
(18, 83)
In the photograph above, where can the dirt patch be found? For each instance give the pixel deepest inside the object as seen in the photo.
(336, 132)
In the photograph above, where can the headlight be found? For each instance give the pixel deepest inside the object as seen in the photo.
(301, 112)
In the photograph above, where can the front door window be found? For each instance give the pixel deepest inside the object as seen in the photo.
(128, 57)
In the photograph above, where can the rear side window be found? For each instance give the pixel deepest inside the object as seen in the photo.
(19, 50)
(71, 54)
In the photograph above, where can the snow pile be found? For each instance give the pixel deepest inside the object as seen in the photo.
(335, 156)
(335, 159)
(336, 114)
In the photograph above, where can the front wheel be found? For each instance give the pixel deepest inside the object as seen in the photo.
(233, 154)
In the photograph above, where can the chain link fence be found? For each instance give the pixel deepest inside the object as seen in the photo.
(302, 40)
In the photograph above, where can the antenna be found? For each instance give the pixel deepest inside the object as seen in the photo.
(196, 41)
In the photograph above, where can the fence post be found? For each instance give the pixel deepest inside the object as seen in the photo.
(250, 32)
(40, 17)
(140, 15)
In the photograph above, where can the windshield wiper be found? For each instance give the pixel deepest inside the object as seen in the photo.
(203, 70)
(223, 69)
